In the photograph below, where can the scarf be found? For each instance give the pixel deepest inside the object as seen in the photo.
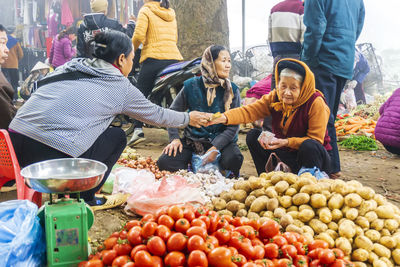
(212, 81)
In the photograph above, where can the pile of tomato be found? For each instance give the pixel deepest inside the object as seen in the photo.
(187, 236)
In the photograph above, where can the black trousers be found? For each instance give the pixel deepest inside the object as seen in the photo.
(13, 78)
(392, 149)
(107, 149)
(311, 153)
(359, 94)
(331, 86)
(147, 76)
(231, 159)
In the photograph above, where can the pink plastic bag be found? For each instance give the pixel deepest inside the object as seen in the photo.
(173, 190)
(128, 180)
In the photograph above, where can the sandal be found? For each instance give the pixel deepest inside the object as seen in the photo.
(112, 201)
(5, 189)
(335, 175)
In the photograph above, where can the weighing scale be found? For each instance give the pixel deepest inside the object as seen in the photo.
(67, 220)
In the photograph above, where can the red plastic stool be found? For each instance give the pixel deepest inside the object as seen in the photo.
(10, 170)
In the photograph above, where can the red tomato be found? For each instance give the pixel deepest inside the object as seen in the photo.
(269, 229)
(188, 214)
(123, 234)
(201, 211)
(136, 249)
(197, 230)
(271, 251)
(247, 249)
(166, 220)
(326, 256)
(290, 237)
(120, 261)
(300, 248)
(148, 229)
(175, 258)
(254, 223)
(221, 223)
(259, 252)
(339, 263)
(264, 263)
(175, 212)
(314, 254)
(110, 242)
(301, 261)
(148, 218)
(256, 241)
(156, 246)
(134, 236)
(83, 263)
(338, 253)
(213, 240)
(161, 211)
(233, 250)
(237, 221)
(279, 240)
(130, 224)
(196, 242)
(182, 225)
(94, 263)
(177, 242)
(246, 231)
(163, 232)
(123, 248)
(208, 247)
(284, 263)
(197, 258)
(199, 222)
(316, 263)
(115, 234)
(219, 257)
(206, 220)
(289, 251)
(157, 261)
(143, 258)
(317, 244)
(223, 236)
(239, 259)
(213, 224)
(129, 264)
(107, 256)
(250, 264)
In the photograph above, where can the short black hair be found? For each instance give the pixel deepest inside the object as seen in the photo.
(109, 45)
(216, 49)
(2, 29)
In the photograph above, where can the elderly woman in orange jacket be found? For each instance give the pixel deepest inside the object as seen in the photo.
(299, 119)
(156, 29)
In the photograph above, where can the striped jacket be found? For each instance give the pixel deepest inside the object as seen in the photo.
(286, 28)
(69, 115)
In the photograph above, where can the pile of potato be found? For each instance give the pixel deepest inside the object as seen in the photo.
(347, 215)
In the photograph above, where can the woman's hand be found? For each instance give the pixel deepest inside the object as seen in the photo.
(221, 119)
(275, 144)
(212, 156)
(198, 119)
(173, 147)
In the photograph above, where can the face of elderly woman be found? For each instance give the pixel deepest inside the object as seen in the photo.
(289, 90)
(223, 64)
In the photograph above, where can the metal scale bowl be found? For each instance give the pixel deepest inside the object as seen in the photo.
(66, 220)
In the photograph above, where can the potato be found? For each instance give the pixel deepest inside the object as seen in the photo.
(290, 178)
(290, 192)
(258, 192)
(335, 201)
(300, 199)
(396, 237)
(271, 193)
(302, 207)
(318, 226)
(253, 216)
(226, 195)
(225, 212)
(267, 184)
(306, 215)
(371, 216)
(241, 213)
(377, 224)
(381, 200)
(366, 192)
(359, 264)
(263, 220)
(269, 214)
(325, 215)
(352, 214)
(343, 244)
(242, 206)
(279, 212)
(381, 250)
(391, 225)
(332, 234)
(294, 228)
(239, 195)
(360, 254)
(272, 204)
(309, 176)
(396, 256)
(308, 237)
(281, 187)
(266, 176)
(345, 209)
(352, 200)
(307, 229)
(359, 231)
(326, 193)
(373, 235)
(242, 185)
(333, 226)
(285, 201)
(366, 206)
(256, 182)
(354, 183)
(249, 200)
(387, 261)
(385, 232)
(209, 206)
(277, 177)
(339, 186)
(388, 242)
(302, 181)
(385, 212)
(286, 220)
(233, 205)
(362, 222)
(294, 214)
(219, 203)
(318, 201)
(326, 237)
(347, 229)
(259, 204)
(372, 257)
(295, 186)
(379, 263)
(363, 242)
(308, 189)
(298, 223)
(292, 208)
(336, 215)
(397, 218)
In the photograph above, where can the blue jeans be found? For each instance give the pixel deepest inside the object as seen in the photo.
(331, 86)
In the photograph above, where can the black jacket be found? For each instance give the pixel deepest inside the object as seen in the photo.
(95, 23)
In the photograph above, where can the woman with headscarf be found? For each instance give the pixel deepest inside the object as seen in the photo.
(299, 119)
(212, 92)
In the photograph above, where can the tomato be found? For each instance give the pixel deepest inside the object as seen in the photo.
(206, 220)
(136, 249)
(157, 261)
(200, 211)
(164, 232)
(269, 229)
(289, 251)
(271, 251)
(143, 259)
(188, 214)
(94, 263)
(254, 223)
(290, 237)
(123, 248)
(264, 263)
(339, 263)
(208, 247)
(213, 224)
(223, 236)
(338, 253)
(83, 263)
(197, 258)
(175, 212)
(250, 264)
(196, 242)
(156, 246)
(314, 254)
(182, 225)
(317, 244)
(326, 256)
(233, 250)
(246, 231)
(283, 263)
(161, 211)
(301, 261)
(177, 242)
(256, 241)
(129, 264)
(131, 224)
(199, 222)
(110, 242)
(301, 250)
(123, 234)
(197, 230)
(107, 256)
(221, 223)
(259, 252)
(316, 263)
(279, 240)
(148, 229)
(213, 240)
(120, 261)
(237, 221)
(134, 236)
(148, 218)
(166, 220)
(239, 259)
(219, 257)
(175, 258)
(247, 249)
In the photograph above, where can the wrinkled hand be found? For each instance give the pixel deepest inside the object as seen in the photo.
(132, 17)
(173, 147)
(211, 157)
(198, 119)
(274, 144)
(222, 119)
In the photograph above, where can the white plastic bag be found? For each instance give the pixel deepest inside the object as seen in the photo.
(128, 180)
(266, 137)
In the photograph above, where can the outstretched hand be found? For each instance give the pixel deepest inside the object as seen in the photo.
(198, 119)
(219, 120)
(173, 147)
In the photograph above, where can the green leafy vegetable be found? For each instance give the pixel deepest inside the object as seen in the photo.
(359, 142)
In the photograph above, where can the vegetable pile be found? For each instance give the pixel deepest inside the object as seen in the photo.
(359, 142)
(144, 164)
(185, 236)
(347, 215)
(346, 125)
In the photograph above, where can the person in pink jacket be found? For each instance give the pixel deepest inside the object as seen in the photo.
(62, 50)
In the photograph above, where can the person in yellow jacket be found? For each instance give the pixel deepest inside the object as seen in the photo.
(156, 29)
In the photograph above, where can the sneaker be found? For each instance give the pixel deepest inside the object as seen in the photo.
(137, 137)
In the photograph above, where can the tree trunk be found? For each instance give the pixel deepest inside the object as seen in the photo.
(200, 24)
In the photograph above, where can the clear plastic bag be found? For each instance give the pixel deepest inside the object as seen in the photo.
(128, 180)
(266, 137)
(199, 166)
(22, 240)
(314, 172)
